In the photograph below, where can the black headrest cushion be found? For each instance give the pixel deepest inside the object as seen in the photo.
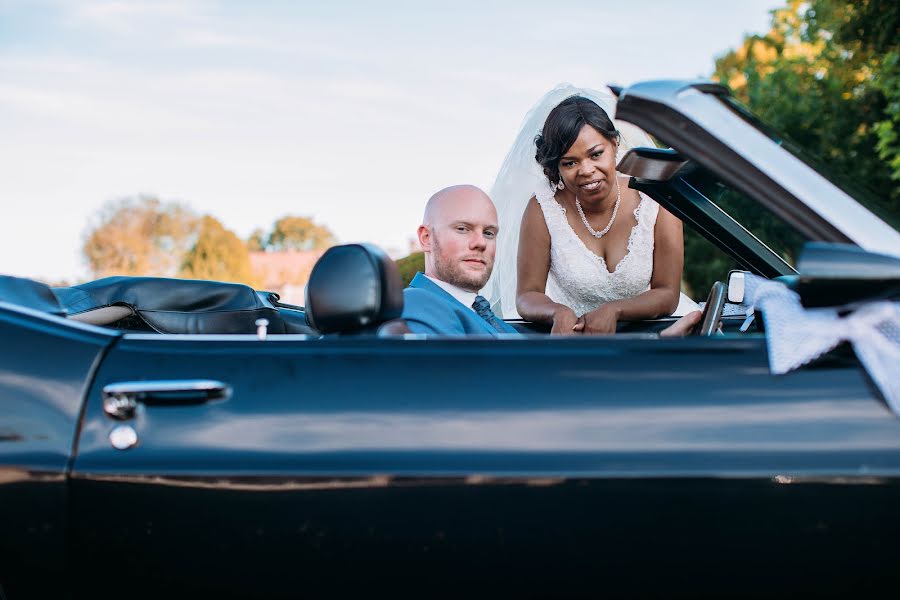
(353, 287)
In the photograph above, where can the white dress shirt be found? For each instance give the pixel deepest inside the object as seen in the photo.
(465, 297)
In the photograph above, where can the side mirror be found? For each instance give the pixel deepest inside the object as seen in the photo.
(655, 164)
(736, 286)
(834, 275)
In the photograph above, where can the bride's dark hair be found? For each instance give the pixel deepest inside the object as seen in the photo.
(561, 130)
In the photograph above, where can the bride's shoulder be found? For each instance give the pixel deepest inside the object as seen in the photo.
(546, 205)
(544, 192)
(533, 217)
(532, 207)
(646, 209)
(631, 198)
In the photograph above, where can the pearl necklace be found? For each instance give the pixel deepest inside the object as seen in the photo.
(605, 230)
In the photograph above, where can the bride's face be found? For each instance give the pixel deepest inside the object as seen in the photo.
(588, 168)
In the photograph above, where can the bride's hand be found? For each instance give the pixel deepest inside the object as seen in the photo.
(565, 322)
(601, 320)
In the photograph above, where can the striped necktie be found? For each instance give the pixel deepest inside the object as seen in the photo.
(483, 308)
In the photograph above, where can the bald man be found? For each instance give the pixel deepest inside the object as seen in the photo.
(459, 237)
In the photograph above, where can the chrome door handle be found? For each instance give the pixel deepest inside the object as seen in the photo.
(120, 400)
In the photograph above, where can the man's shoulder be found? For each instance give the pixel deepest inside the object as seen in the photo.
(432, 311)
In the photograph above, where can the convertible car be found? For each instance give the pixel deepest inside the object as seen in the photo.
(174, 437)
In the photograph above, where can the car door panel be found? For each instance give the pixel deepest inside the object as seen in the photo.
(520, 464)
(45, 368)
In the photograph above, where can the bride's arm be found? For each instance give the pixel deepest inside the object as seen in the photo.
(533, 266)
(665, 283)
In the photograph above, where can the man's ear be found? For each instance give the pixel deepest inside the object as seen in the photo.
(424, 234)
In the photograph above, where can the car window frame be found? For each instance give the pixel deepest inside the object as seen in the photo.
(692, 118)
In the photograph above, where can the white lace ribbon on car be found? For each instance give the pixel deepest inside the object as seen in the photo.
(797, 335)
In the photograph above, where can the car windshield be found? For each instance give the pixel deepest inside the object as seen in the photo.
(854, 188)
(769, 228)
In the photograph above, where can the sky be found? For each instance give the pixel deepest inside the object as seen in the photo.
(352, 113)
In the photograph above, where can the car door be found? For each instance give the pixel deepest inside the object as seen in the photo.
(46, 364)
(534, 466)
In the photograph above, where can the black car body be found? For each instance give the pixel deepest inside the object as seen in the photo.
(139, 463)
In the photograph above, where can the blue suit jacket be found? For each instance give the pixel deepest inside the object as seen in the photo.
(427, 308)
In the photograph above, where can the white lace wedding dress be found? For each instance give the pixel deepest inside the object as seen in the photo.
(580, 278)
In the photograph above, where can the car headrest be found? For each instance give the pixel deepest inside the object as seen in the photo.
(353, 288)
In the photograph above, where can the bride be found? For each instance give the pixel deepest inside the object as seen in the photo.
(590, 250)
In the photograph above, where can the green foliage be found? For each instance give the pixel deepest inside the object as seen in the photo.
(704, 263)
(218, 254)
(827, 77)
(873, 24)
(888, 130)
(299, 233)
(139, 236)
(697, 277)
(870, 32)
(410, 265)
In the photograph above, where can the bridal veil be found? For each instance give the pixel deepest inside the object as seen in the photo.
(520, 177)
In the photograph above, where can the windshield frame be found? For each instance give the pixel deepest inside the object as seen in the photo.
(693, 118)
(841, 179)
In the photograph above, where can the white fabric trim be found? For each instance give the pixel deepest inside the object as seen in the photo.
(103, 315)
(796, 335)
(466, 298)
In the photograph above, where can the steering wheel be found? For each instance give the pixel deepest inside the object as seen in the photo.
(712, 310)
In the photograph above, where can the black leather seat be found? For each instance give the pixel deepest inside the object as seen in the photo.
(183, 305)
(355, 289)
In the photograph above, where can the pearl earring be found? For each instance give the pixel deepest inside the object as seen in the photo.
(560, 185)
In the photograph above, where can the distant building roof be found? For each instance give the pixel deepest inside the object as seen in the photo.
(276, 270)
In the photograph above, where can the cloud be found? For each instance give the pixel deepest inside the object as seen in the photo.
(124, 16)
(253, 110)
(200, 38)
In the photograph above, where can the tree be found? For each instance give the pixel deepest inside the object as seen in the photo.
(299, 233)
(139, 236)
(870, 30)
(217, 254)
(410, 265)
(826, 76)
(257, 240)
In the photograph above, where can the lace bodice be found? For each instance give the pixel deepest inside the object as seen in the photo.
(578, 277)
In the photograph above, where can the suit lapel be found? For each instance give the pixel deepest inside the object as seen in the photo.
(422, 282)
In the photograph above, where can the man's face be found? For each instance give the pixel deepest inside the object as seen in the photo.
(463, 241)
